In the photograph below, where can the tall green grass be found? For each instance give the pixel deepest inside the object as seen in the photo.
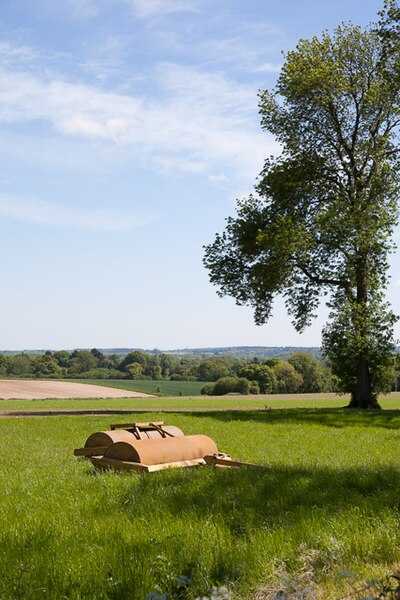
(328, 502)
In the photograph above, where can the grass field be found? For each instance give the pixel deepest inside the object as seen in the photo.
(326, 506)
(275, 401)
(161, 388)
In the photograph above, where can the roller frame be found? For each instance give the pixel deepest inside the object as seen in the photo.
(125, 465)
(215, 460)
(146, 425)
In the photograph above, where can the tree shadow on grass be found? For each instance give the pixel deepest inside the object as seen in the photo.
(388, 419)
(247, 499)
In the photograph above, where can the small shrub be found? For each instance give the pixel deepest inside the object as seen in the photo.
(227, 385)
(180, 377)
(100, 373)
(243, 386)
(254, 388)
(177, 377)
(208, 389)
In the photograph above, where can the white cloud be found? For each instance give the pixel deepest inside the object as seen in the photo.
(56, 215)
(10, 54)
(156, 8)
(268, 67)
(218, 179)
(193, 121)
(83, 8)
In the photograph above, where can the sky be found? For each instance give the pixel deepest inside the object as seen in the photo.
(128, 130)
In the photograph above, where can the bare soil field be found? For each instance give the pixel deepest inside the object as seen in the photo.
(39, 390)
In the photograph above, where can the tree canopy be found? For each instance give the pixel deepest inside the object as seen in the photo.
(321, 219)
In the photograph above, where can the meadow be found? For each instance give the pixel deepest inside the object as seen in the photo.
(188, 403)
(323, 513)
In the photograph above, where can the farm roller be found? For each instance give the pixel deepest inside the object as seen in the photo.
(152, 447)
(98, 442)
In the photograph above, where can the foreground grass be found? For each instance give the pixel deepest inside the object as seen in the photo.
(327, 503)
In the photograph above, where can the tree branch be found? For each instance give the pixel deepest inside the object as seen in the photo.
(343, 283)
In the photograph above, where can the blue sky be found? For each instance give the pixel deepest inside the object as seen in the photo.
(128, 129)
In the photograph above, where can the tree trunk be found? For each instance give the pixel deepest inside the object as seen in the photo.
(363, 397)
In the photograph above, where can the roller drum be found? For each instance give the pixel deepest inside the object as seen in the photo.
(163, 450)
(106, 438)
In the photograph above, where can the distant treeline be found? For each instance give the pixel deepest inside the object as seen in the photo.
(283, 352)
(302, 372)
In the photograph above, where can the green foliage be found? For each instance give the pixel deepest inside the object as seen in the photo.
(136, 357)
(62, 357)
(4, 365)
(243, 386)
(212, 369)
(99, 356)
(322, 219)
(288, 380)
(99, 373)
(208, 389)
(62, 364)
(134, 370)
(352, 333)
(264, 375)
(81, 361)
(46, 365)
(316, 377)
(254, 388)
(19, 364)
(227, 385)
(168, 364)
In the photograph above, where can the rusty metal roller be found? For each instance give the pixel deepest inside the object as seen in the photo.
(106, 438)
(153, 434)
(162, 451)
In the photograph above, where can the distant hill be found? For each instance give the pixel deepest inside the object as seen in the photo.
(231, 351)
(282, 352)
(247, 351)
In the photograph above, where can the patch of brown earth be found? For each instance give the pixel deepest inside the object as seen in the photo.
(40, 390)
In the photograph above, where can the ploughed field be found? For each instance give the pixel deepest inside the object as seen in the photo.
(323, 514)
(37, 389)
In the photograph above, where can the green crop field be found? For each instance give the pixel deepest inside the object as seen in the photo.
(323, 512)
(161, 387)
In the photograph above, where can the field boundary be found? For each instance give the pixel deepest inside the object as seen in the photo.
(125, 411)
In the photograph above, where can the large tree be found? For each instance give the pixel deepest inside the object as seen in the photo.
(321, 220)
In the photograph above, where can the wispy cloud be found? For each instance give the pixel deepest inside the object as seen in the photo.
(195, 121)
(10, 54)
(55, 215)
(268, 67)
(218, 179)
(82, 9)
(157, 8)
